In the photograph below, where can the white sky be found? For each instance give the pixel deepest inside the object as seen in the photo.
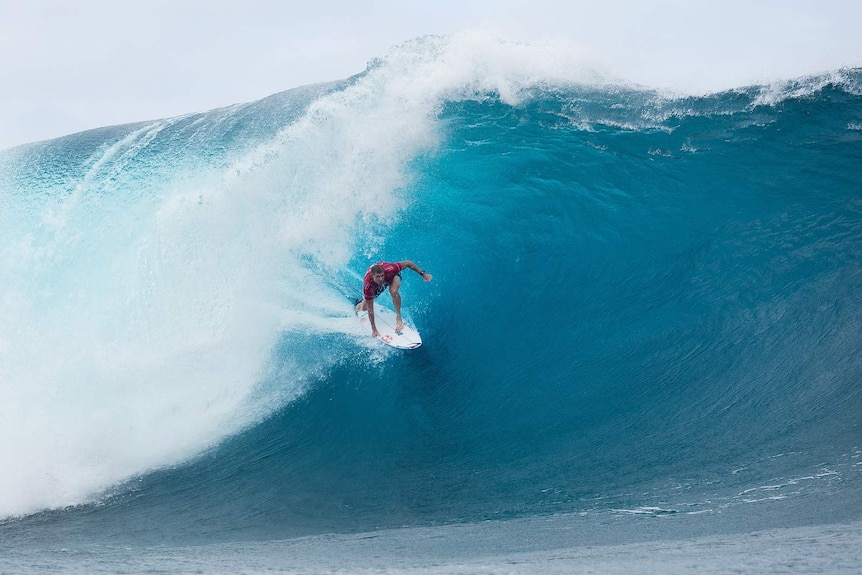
(68, 66)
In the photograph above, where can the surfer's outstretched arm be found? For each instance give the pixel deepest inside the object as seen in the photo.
(417, 269)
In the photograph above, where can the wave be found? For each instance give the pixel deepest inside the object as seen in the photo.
(632, 290)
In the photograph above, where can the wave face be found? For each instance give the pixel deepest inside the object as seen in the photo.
(640, 302)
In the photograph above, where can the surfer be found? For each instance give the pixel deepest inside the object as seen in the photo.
(380, 276)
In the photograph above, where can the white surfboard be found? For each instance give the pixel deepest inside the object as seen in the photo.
(384, 319)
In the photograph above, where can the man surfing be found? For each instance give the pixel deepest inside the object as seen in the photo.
(380, 276)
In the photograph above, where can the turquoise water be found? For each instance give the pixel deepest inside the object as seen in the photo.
(643, 305)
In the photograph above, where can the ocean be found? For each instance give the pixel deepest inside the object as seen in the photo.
(641, 343)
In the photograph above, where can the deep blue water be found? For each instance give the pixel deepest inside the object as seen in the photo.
(641, 304)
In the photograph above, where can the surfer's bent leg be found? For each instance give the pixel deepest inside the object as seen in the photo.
(396, 300)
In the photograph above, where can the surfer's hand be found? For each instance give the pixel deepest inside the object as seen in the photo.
(427, 277)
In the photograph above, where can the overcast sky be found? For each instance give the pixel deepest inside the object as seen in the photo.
(68, 66)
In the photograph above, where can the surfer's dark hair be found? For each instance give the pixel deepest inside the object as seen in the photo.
(377, 269)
